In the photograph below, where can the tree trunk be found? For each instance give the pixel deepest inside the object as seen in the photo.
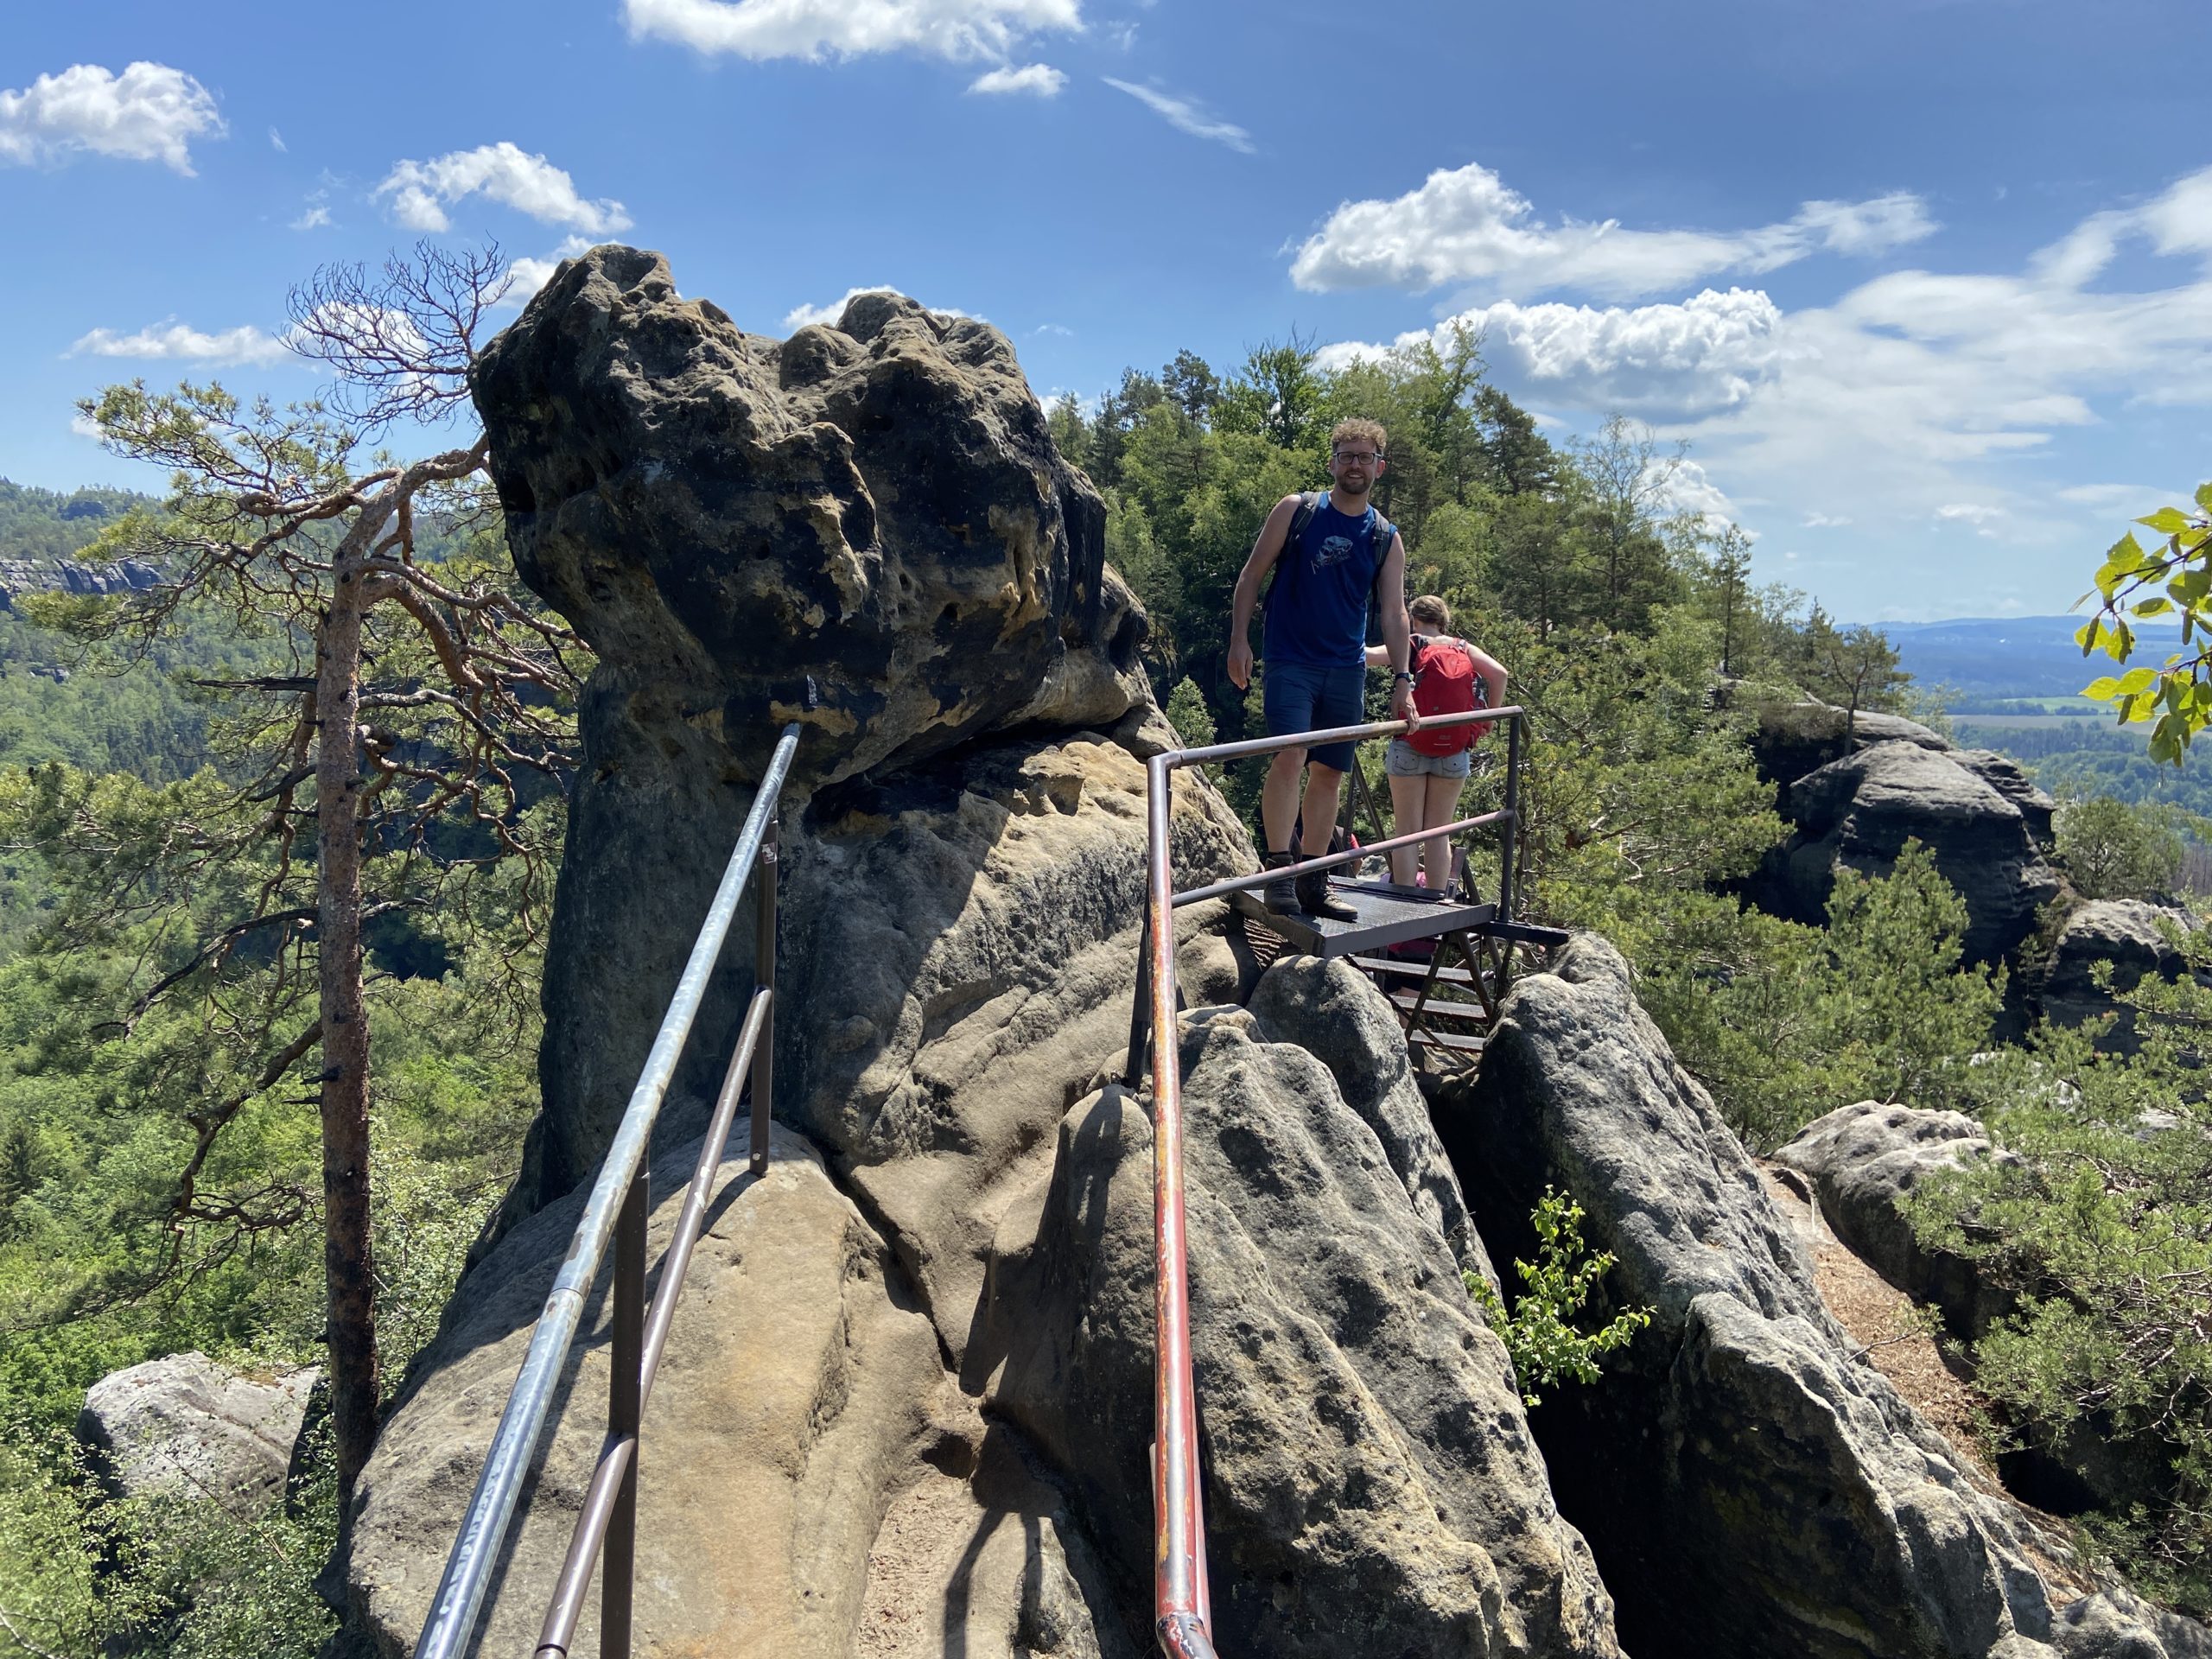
(352, 1332)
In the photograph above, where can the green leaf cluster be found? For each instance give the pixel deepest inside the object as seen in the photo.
(2172, 577)
(1540, 1332)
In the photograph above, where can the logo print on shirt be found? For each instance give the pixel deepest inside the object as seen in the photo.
(1334, 550)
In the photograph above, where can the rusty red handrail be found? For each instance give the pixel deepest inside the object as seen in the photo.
(1182, 1609)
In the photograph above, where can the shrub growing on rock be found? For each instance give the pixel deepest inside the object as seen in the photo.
(2103, 1225)
(1540, 1333)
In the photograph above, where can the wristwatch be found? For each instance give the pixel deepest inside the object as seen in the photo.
(1403, 674)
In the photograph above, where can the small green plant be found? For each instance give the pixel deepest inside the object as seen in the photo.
(1539, 1333)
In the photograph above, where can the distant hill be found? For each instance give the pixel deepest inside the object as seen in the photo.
(1989, 658)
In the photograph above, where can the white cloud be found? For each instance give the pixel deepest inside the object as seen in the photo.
(172, 341)
(958, 30)
(1969, 513)
(1053, 329)
(1704, 355)
(151, 112)
(316, 213)
(421, 191)
(85, 426)
(1185, 114)
(1465, 224)
(1037, 79)
(1825, 521)
(277, 141)
(527, 275)
(1909, 393)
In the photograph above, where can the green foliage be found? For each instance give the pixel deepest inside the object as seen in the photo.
(1547, 1346)
(179, 1573)
(1783, 1022)
(2102, 1223)
(2171, 578)
(2113, 850)
(1186, 713)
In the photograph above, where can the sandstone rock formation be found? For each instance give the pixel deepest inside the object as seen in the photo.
(2129, 934)
(877, 507)
(1862, 1161)
(803, 1394)
(1371, 1486)
(19, 576)
(1748, 1486)
(1792, 738)
(1858, 813)
(186, 1425)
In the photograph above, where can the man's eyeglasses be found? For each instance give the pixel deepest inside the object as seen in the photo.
(1358, 457)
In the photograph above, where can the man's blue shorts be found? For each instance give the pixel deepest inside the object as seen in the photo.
(1300, 697)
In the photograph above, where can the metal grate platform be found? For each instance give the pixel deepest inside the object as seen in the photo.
(1388, 916)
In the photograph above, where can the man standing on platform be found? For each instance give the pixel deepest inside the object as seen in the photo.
(1331, 554)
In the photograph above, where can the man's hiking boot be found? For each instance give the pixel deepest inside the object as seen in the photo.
(1280, 895)
(1315, 899)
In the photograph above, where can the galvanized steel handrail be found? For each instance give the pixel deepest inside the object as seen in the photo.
(616, 1211)
(1182, 1607)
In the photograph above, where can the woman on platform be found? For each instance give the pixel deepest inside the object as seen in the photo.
(1427, 768)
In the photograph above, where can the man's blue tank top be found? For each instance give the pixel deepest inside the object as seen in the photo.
(1317, 610)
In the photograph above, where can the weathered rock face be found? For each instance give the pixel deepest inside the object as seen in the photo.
(1858, 812)
(1334, 1013)
(1863, 1160)
(1748, 1488)
(1795, 737)
(185, 1423)
(1371, 1484)
(877, 506)
(2129, 934)
(966, 974)
(19, 576)
(803, 1397)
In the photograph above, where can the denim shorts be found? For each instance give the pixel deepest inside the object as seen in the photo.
(1404, 760)
(1301, 697)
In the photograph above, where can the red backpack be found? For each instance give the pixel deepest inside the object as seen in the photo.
(1444, 682)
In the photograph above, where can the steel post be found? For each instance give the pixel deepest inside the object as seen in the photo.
(1511, 853)
(763, 974)
(625, 1388)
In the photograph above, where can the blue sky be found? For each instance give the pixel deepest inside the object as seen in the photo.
(1928, 287)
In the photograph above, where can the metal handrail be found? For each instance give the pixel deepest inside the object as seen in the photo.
(1182, 1608)
(616, 1211)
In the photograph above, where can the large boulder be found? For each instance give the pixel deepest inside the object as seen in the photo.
(1863, 1162)
(1749, 1485)
(1371, 1484)
(876, 508)
(2132, 936)
(1858, 812)
(803, 1393)
(186, 1426)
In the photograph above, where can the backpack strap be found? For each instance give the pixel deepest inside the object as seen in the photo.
(1384, 530)
(1309, 502)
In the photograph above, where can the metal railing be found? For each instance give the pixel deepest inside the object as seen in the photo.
(1181, 1607)
(617, 1211)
